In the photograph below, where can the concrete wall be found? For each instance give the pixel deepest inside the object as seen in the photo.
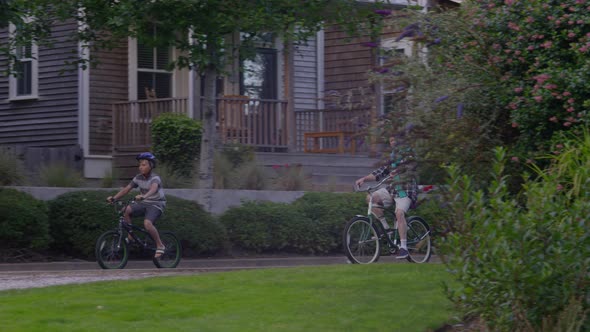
(222, 199)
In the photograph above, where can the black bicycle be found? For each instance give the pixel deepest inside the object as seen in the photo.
(365, 237)
(113, 247)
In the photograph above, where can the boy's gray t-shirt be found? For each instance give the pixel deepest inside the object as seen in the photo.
(144, 183)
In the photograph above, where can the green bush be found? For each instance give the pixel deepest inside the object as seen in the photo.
(10, 169)
(520, 263)
(176, 141)
(312, 224)
(23, 221)
(78, 218)
(200, 233)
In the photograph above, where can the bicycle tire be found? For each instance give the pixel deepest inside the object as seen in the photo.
(419, 240)
(111, 251)
(172, 254)
(361, 241)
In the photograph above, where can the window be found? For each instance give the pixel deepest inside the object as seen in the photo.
(153, 79)
(393, 95)
(258, 78)
(259, 74)
(23, 82)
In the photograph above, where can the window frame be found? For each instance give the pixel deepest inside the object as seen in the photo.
(390, 44)
(13, 81)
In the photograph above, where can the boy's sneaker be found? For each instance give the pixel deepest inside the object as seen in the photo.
(402, 253)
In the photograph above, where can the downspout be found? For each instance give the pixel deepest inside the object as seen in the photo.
(83, 95)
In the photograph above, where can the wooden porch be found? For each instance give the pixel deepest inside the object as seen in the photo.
(263, 124)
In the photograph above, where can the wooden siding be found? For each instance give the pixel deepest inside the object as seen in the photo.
(51, 120)
(108, 85)
(346, 64)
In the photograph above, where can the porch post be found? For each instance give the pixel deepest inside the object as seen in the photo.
(291, 131)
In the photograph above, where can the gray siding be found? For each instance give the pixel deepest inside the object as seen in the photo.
(108, 84)
(51, 120)
(305, 73)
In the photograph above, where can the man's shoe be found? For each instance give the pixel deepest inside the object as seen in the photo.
(402, 253)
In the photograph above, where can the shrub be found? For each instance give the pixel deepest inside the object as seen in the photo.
(23, 221)
(176, 141)
(291, 177)
(171, 178)
(78, 218)
(235, 168)
(249, 176)
(60, 175)
(312, 224)
(199, 232)
(519, 263)
(10, 169)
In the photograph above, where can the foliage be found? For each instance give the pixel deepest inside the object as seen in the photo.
(60, 175)
(235, 167)
(199, 232)
(176, 141)
(23, 221)
(77, 219)
(291, 177)
(10, 169)
(312, 224)
(172, 178)
(497, 72)
(518, 262)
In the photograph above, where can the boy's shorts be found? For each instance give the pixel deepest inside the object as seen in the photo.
(401, 203)
(150, 212)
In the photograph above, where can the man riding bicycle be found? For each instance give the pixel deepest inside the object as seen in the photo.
(401, 169)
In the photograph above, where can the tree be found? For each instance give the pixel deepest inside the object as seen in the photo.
(209, 24)
(518, 70)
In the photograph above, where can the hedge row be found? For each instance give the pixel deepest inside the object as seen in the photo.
(71, 223)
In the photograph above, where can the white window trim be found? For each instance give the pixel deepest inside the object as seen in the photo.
(133, 69)
(13, 81)
(390, 44)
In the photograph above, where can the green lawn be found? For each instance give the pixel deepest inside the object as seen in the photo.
(379, 297)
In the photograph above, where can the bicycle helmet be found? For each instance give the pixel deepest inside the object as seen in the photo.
(147, 156)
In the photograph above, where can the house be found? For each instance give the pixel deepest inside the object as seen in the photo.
(96, 118)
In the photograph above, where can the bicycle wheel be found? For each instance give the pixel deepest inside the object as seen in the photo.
(173, 253)
(111, 251)
(419, 242)
(361, 243)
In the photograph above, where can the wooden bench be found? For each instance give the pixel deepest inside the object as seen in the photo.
(317, 136)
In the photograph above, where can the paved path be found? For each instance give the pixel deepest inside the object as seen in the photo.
(32, 275)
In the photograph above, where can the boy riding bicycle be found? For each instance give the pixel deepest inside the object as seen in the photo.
(151, 201)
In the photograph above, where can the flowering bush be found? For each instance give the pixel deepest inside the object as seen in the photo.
(497, 72)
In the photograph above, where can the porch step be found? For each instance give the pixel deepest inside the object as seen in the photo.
(325, 170)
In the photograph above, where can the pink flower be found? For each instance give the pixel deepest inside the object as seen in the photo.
(541, 78)
(518, 90)
(538, 99)
(517, 52)
(550, 86)
(513, 26)
(529, 161)
(571, 100)
(514, 159)
(567, 124)
(553, 119)
(583, 49)
(530, 48)
(559, 146)
(508, 2)
(514, 125)
(567, 93)
(550, 18)
(559, 187)
(571, 35)
(530, 19)
(570, 109)
(547, 44)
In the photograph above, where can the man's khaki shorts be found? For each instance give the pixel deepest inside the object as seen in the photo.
(401, 203)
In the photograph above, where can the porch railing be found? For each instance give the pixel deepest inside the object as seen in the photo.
(132, 120)
(254, 122)
(355, 123)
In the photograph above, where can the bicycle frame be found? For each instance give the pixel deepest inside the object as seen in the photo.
(392, 239)
(125, 228)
